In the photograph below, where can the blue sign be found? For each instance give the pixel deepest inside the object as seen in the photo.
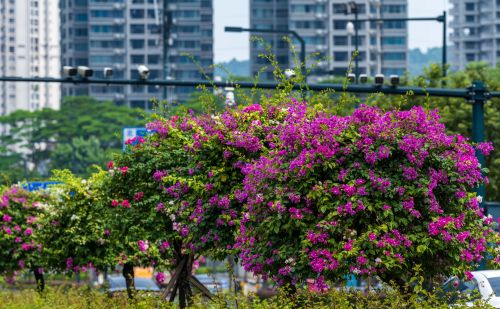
(39, 185)
(131, 136)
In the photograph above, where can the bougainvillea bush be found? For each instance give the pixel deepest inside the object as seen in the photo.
(19, 224)
(374, 193)
(176, 191)
(75, 228)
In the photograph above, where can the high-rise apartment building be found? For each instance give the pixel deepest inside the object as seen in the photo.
(29, 46)
(123, 34)
(383, 46)
(476, 31)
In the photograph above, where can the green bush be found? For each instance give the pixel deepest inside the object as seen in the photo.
(341, 299)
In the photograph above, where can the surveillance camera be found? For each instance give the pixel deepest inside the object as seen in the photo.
(379, 79)
(69, 71)
(108, 72)
(289, 73)
(394, 80)
(85, 72)
(351, 77)
(363, 78)
(143, 71)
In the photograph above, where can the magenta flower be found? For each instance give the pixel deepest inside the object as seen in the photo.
(6, 218)
(143, 245)
(126, 204)
(28, 231)
(138, 196)
(123, 170)
(160, 277)
(114, 203)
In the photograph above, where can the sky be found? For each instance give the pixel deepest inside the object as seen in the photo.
(236, 13)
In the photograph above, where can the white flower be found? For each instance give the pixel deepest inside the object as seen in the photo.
(84, 181)
(73, 217)
(356, 271)
(378, 260)
(172, 217)
(171, 202)
(479, 199)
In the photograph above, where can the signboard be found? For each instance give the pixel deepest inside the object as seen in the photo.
(38, 185)
(130, 135)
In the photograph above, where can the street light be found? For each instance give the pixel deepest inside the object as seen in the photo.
(440, 18)
(295, 34)
(350, 32)
(352, 8)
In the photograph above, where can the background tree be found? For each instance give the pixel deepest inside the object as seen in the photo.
(43, 139)
(75, 229)
(20, 249)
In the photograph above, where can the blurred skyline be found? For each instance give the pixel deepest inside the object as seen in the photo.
(227, 46)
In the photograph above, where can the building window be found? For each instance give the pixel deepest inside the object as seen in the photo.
(136, 14)
(81, 47)
(137, 44)
(341, 56)
(394, 56)
(393, 71)
(81, 2)
(394, 40)
(137, 59)
(307, 8)
(340, 40)
(306, 24)
(106, 13)
(136, 28)
(394, 8)
(106, 29)
(262, 13)
(153, 59)
(470, 6)
(106, 44)
(187, 14)
(470, 57)
(81, 32)
(81, 17)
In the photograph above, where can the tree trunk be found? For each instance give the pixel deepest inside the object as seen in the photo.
(182, 280)
(128, 274)
(40, 281)
(184, 284)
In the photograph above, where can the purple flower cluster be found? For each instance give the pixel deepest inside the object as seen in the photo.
(381, 174)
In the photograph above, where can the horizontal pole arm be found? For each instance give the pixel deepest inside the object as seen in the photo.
(386, 89)
(439, 19)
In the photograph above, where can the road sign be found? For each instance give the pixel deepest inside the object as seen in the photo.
(38, 185)
(130, 136)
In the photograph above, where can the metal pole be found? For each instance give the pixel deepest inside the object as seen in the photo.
(445, 47)
(302, 52)
(478, 95)
(356, 45)
(166, 38)
(386, 89)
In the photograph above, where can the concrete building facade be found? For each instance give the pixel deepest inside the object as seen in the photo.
(29, 46)
(383, 47)
(476, 31)
(123, 34)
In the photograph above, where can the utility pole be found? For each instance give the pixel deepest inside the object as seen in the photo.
(167, 27)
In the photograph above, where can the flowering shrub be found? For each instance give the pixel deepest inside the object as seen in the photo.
(76, 230)
(373, 193)
(19, 224)
(177, 191)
